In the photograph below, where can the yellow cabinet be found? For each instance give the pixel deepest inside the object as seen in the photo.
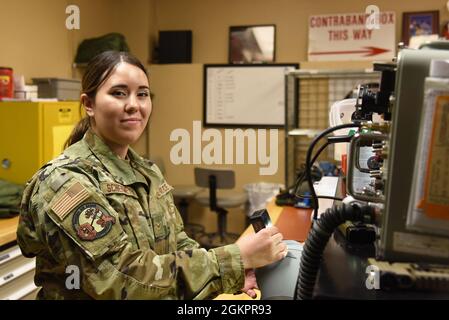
(31, 134)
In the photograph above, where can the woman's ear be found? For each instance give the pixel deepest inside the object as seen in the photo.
(88, 104)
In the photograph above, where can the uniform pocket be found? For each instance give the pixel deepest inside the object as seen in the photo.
(160, 227)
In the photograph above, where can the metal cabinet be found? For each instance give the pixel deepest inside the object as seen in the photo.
(31, 134)
(16, 275)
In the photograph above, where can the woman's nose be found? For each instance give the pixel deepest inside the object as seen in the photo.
(132, 105)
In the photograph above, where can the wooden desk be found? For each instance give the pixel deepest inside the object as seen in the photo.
(293, 223)
(8, 228)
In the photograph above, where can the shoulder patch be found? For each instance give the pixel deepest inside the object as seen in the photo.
(91, 221)
(69, 199)
(57, 183)
(163, 189)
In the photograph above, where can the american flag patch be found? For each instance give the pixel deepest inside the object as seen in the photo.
(69, 199)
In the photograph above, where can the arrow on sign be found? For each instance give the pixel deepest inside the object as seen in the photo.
(369, 51)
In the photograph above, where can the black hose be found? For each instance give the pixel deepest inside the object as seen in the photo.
(318, 238)
(300, 179)
(330, 140)
(309, 158)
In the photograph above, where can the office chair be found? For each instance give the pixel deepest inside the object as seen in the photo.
(183, 194)
(214, 179)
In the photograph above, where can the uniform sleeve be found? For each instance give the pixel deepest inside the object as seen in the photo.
(111, 268)
(228, 258)
(183, 241)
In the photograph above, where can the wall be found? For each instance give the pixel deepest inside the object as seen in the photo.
(39, 45)
(35, 38)
(178, 88)
(210, 21)
(36, 42)
(177, 102)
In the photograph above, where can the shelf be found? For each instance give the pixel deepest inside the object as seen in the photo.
(304, 132)
(79, 65)
(8, 229)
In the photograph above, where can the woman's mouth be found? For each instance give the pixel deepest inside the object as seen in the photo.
(131, 120)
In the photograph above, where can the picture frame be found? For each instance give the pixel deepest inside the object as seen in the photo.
(419, 23)
(252, 44)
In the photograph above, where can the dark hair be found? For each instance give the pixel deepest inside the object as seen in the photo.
(97, 72)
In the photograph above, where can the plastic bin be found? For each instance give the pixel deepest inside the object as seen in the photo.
(260, 193)
(26, 93)
(62, 89)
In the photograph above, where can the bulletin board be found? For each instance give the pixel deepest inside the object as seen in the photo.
(245, 95)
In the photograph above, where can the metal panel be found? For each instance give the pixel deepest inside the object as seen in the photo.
(413, 68)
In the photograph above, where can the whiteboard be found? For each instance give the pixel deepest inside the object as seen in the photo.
(245, 95)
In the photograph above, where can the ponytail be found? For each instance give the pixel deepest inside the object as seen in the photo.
(78, 132)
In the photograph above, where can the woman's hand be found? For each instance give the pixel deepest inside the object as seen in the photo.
(250, 283)
(262, 248)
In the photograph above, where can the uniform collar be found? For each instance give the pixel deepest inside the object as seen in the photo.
(122, 170)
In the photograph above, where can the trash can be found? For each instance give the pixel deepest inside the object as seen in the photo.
(260, 193)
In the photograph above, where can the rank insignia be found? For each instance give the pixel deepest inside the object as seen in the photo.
(91, 221)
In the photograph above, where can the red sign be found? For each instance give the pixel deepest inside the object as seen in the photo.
(352, 36)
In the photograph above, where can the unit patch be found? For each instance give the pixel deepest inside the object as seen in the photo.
(91, 221)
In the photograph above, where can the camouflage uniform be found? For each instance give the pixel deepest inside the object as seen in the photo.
(115, 219)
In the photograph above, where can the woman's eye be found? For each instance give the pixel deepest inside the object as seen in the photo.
(119, 93)
(143, 94)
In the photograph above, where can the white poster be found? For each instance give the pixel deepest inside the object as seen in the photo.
(352, 36)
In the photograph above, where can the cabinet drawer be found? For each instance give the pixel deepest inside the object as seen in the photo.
(22, 287)
(9, 254)
(15, 268)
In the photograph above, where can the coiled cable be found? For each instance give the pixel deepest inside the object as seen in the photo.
(318, 238)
